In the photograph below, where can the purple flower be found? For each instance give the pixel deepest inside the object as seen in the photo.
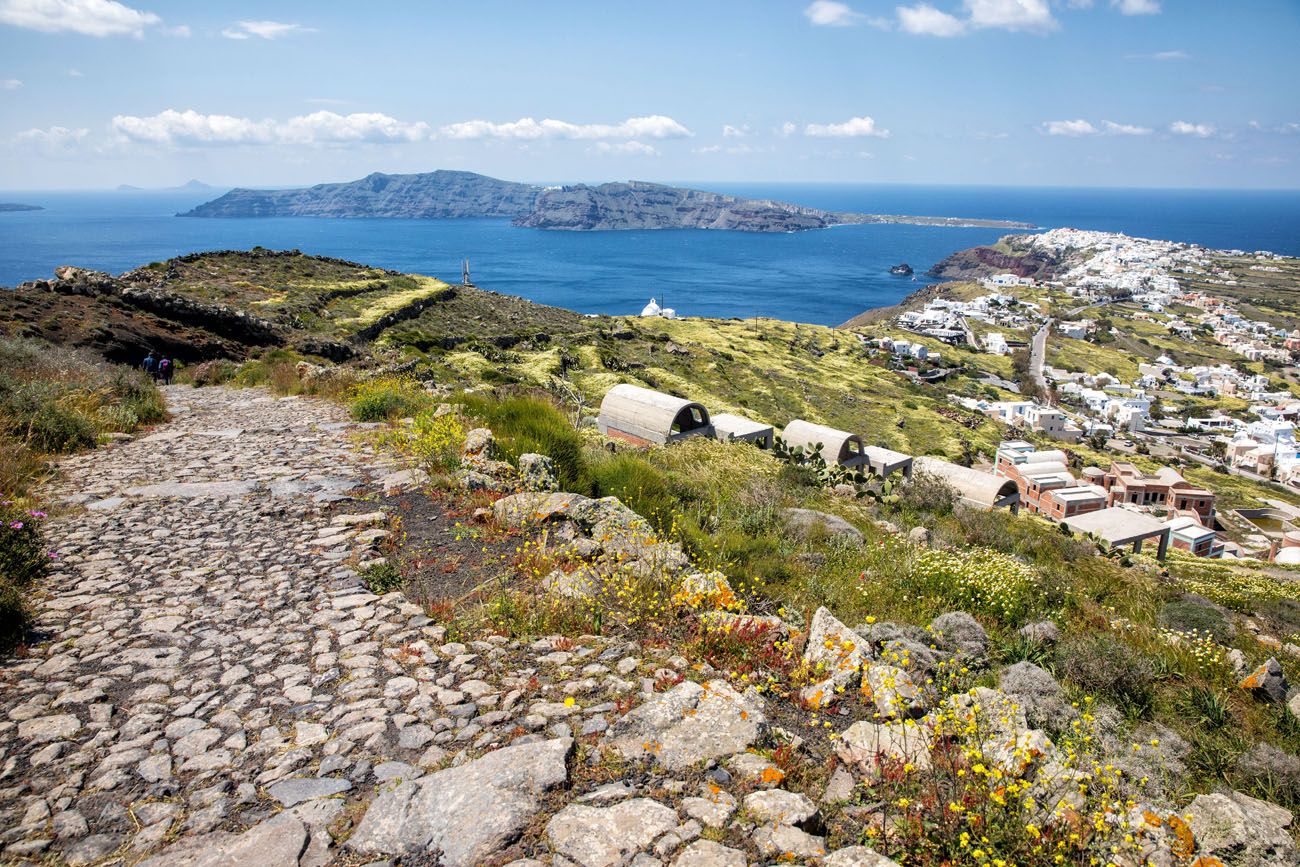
(37, 514)
(54, 555)
(15, 525)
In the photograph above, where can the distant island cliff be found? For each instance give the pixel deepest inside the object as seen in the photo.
(16, 206)
(633, 205)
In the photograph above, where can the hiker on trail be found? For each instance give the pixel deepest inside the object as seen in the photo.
(150, 365)
(165, 370)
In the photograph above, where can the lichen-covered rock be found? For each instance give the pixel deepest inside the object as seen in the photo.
(857, 856)
(892, 691)
(537, 473)
(469, 812)
(690, 723)
(480, 445)
(1040, 632)
(835, 653)
(1268, 681)
(962, 633)
(706, 853)
(787, 843)
(780, 807)
(806, 523)
(919, 536)
(1241, 831)
(1038, 694)
(528, 509)
(866, 745)
(608, 836)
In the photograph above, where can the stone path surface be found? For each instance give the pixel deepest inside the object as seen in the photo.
(213, 685)
(209, 646)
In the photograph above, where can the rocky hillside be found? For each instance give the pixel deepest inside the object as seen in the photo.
(232, 304)
(632, 205)
(428, 196)
(639, 205)
(977, 262)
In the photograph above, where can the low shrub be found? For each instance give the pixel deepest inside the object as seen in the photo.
(530, 423)
(23, 560)
(1111, 669)
(1188, 615)
(977, 580)
(382, 578)
(210, 373)
(435, 441)
(387, 398)
(641, 486)
(1269, 773)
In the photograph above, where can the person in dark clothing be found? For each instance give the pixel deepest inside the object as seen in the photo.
(165, 370)
(150, 365)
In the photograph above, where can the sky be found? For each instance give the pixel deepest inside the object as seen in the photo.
(1127, 93)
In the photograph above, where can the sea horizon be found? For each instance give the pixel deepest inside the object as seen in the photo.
(818, 277)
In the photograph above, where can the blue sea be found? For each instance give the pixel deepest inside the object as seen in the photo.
(820, 277)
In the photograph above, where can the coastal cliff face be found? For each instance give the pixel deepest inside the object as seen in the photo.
(639, 205)
(977, 262)
(431, 195)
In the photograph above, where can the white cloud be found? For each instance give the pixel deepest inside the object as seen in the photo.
(854, 127)
(1197, 130)
(634, 148)
(1111, 128)
(172, 128)
(1170, 55)
(327, 127)
(1080, 127)
(263, 29)
(1033, 16)
(925, 20)
(828, 13)
(788, 129)
(10, 83)
(1069, 127)
(87, 17)
(729, 131)
(654, 126)
(1137, 7)
(76, 73)
(53, 140)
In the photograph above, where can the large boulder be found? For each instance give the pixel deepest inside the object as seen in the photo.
(867, 745)
(961, 632)
(608, 836)
(892, 691)
(1268, 681)
(1241, 831)
(521, 510)
(690, 723)
(1039, 694)
(809, 523)
(467, 813)
(835, 654)
(857, 856)
(537, 473)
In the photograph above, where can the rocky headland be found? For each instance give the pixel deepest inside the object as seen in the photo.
(9, 207)
(631, 205)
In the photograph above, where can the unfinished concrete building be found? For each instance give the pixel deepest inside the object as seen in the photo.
(974, 487)
(885, 461)
(644, 417)
(837, 447)
(736, 428)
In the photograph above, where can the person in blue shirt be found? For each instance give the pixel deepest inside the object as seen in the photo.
(150, 365)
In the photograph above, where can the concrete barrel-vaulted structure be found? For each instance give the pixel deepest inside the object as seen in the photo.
(975, 488)
(644, 417)
(838, 447)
